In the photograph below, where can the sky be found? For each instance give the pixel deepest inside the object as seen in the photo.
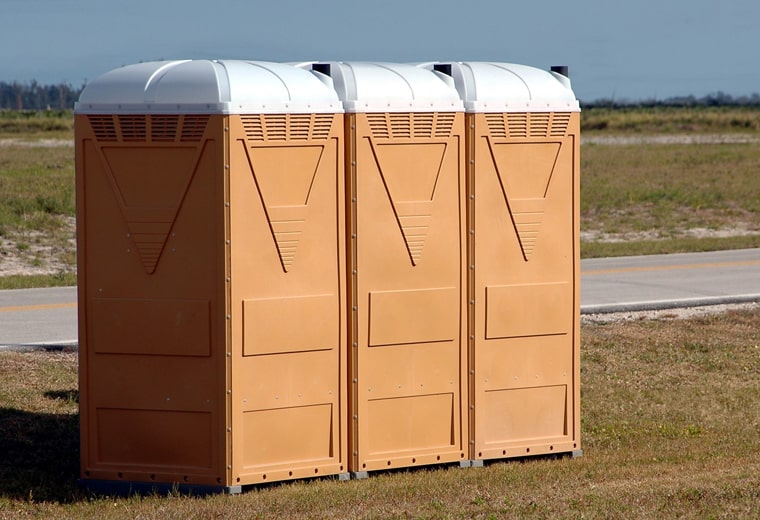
(642, 50)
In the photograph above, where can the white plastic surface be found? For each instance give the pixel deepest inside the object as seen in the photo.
(391, 87)
(508, 87)
(209, 87)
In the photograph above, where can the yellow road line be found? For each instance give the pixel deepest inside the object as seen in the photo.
(671, 267)
(40, 307)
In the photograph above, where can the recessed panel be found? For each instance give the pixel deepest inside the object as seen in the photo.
(528, 310)
(149, 326)
(524, 414)
(288, 435)
(297, 324)
(410, 423)
(169, 439)
(416, 316)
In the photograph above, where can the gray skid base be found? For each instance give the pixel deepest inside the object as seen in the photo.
(476, 463)
(128, 488)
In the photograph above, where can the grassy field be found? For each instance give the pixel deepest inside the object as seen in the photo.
(638, 198)
(670, 429)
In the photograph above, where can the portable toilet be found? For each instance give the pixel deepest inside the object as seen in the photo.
(523, 143)
(406, 218)
(211, 246)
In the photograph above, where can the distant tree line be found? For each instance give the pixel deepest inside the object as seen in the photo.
(34, 96)
(718, 99)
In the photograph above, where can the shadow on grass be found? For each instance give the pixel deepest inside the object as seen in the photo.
(39, 455)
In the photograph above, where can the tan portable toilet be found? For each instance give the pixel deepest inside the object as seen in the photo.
(405, 184)
(212, 291)
(523, 251)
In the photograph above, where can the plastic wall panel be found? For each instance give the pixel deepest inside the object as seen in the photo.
(288, 298)
(152, 337)
(525, 283)
(408, 364)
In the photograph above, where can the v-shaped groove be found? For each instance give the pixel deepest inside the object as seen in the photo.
(149, 236)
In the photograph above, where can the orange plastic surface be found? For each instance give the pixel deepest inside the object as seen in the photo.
(407, 253)
(524, 249)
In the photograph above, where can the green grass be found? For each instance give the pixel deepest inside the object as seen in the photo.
(633, 193)
(670, 120)
(38, 280)
(30, 124)
(670, 425)
(591, 249)
(36, 188)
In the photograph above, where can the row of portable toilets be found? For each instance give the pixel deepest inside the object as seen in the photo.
(300, 270)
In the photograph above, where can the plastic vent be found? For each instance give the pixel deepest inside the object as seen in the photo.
(103, 127)
(292, 127)
(408, 125)
(193, 127)
(560, 120)
(163, 128)
(153, 128)
(520, 125)
(133, 128)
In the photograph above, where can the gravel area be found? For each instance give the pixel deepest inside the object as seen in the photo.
(666, 314)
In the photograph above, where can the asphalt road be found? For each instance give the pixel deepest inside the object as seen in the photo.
(31, 317)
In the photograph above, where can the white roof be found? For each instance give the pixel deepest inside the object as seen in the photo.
(391, 87)
(209, 87)
(508, 87)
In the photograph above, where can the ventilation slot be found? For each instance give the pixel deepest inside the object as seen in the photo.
(407, 125)
(497, 126)
(539, 124)
(517, 125)
(524, 125)
(559, 124)
(276, 127)
(143, 128)
(133, 128)
(378, 125)
(322, 126)
(163, 128)
(401, 125)
(444, 124)
(294, 127)
(299, 127)
(193, 127)
(423, 125)
(253, 127)
(103, 127)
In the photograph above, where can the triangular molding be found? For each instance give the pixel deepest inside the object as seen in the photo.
(525, 171)
(284, 176)
(410, 174)
(150, 184)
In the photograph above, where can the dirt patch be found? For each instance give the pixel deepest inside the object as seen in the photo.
(35, 253)
(37, 143)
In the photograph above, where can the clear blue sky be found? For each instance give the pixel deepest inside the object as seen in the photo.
(626, 50)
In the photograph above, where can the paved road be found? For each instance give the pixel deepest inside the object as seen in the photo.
(38, 316)
(669, 281)
(48, 316)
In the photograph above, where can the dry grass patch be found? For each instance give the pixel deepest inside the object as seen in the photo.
(671, 428)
